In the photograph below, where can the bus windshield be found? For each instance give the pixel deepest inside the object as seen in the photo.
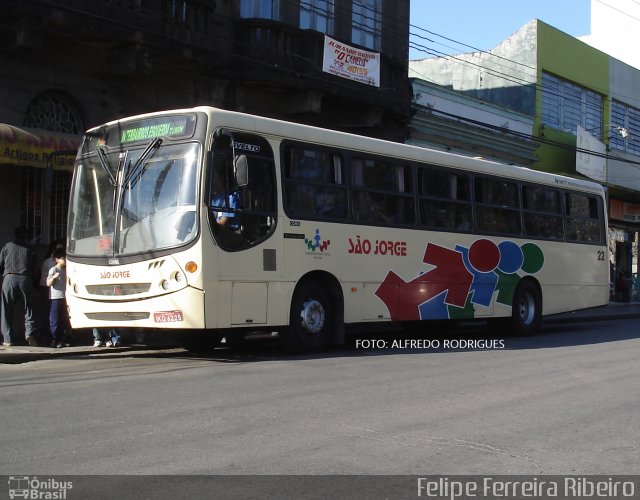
(136, 201)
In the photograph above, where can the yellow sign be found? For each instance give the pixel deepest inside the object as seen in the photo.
(37, 148)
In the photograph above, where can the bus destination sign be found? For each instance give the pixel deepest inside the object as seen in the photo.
(166, 126)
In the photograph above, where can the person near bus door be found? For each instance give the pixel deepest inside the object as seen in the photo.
(57, 283)
(19, 269)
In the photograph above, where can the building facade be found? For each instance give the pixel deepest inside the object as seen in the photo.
(68, 65)
(585, 108)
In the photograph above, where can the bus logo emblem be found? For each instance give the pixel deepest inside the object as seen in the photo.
(317, 244)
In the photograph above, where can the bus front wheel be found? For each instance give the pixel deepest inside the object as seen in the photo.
(526, 313)
(311, 319)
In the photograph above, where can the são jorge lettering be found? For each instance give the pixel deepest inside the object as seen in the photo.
(378, 247)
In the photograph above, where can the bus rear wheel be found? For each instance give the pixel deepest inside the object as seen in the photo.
(526, 312)
(311, 319)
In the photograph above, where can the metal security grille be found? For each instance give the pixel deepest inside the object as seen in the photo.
(59, 206)
(31, 200)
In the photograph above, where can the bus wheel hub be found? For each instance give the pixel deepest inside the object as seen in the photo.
(312, 315)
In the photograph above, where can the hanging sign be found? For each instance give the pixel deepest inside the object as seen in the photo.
(350, 62)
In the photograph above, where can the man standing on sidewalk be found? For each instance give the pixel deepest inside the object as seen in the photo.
(19, 269)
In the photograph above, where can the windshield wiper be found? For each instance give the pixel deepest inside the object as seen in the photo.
(136, 171)
(104, 161)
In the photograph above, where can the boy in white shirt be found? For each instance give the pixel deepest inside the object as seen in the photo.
(57, 282)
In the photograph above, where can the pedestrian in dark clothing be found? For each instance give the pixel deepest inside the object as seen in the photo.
(20, 271)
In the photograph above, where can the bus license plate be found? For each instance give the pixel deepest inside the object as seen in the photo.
(167, 316)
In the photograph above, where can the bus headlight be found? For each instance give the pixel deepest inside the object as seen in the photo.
(164, 284)
(178, 277)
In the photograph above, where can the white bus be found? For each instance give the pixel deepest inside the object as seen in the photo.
(216, 223)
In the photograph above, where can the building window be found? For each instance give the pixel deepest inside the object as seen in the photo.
(317, 15)
(565, 106)
(625, 128)
(54, 111)
(264, 9)
(366, 23)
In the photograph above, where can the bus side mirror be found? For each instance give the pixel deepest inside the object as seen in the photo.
(241, 168)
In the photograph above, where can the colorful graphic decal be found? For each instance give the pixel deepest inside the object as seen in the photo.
(317, 243)
(460, 280)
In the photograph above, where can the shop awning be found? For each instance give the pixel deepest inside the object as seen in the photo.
(37, 148)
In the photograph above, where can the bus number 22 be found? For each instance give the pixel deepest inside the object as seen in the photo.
(600, 255)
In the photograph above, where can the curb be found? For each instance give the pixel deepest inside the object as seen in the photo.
(24, 354)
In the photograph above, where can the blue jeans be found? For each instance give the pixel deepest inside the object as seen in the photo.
(100, 334)
(58, 319)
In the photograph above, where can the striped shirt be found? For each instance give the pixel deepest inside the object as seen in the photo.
(17, 257)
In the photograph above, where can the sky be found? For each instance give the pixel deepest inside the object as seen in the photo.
(483, 24)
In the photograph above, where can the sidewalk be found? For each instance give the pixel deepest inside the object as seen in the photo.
(612, 311)
(24, 354)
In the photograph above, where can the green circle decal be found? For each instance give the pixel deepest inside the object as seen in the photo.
(533, 258)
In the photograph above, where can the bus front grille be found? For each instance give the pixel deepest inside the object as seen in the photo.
(116, 290)
(117, 316)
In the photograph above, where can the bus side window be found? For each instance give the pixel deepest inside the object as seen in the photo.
(497, 206)
(444, 199)
(583, 218)
(313, 183)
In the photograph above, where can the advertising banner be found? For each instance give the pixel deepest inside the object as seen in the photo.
(350, 62)
(619, 210)
(37, 148)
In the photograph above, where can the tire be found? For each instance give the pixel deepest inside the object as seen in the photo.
(311, 319)
(526, 312)
(200, 342)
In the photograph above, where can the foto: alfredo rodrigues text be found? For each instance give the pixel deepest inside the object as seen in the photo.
(430, 344)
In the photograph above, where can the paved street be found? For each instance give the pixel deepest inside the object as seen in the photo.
(564, 402)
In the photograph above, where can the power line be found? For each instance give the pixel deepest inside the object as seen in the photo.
(618, 10)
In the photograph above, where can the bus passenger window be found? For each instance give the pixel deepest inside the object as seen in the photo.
(445, 199)
(583, 218)
(313, 186)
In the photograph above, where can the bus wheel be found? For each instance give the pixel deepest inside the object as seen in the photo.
(311, 319)
(526, 313)
(200, 342)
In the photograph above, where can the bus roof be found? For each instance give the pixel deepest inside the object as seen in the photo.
(274, 128)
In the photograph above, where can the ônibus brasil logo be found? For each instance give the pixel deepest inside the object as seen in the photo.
(34, 488)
